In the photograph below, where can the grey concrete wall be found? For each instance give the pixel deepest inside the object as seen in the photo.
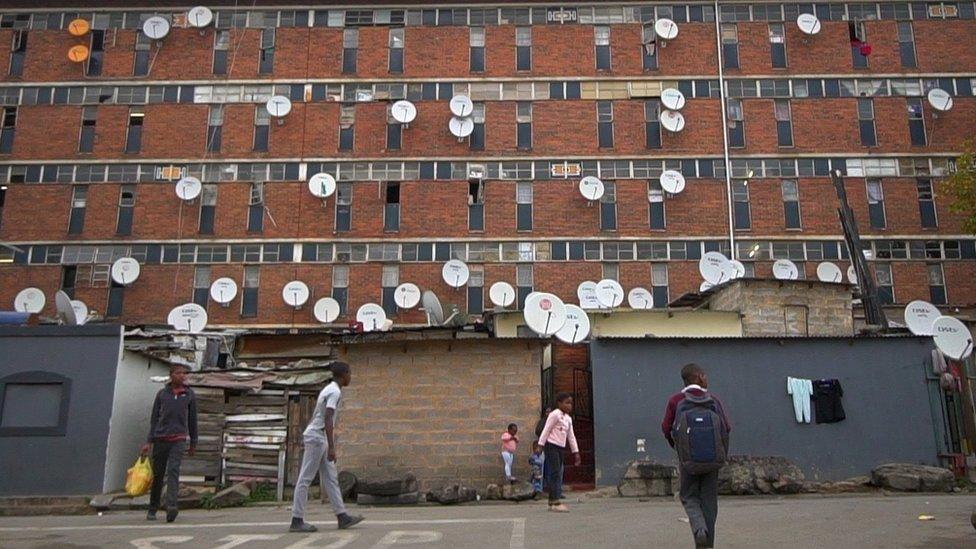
(73, 464)
(885, 398)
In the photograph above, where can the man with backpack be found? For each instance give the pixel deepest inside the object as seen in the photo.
(696, 426)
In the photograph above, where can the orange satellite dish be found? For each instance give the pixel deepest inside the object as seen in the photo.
(78, 53)
(79, 27)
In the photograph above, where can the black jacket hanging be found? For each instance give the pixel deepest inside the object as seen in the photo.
(826, 397)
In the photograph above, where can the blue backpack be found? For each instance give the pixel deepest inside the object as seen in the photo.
(700, 436)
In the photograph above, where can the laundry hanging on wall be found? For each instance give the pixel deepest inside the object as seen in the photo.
(802, 390)
(827, 393)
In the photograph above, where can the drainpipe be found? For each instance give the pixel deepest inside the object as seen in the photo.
(725, 132)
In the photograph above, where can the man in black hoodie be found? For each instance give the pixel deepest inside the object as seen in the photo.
(173, 421)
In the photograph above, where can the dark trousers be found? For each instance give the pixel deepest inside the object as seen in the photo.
(554, 471)
(166, 459)
(699, 495)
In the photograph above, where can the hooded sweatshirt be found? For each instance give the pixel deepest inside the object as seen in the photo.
(174, 415)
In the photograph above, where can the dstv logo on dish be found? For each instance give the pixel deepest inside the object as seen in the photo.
(947, 330)
(545, 304)
(920, 311)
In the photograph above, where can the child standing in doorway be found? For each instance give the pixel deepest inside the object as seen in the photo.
(557, 433)
(537, 461)
(509, 446)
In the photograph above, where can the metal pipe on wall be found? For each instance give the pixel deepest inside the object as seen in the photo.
(725, 132)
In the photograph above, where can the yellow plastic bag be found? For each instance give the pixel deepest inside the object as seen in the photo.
(139, 478)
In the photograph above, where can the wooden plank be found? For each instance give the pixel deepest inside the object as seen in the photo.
(254, 418)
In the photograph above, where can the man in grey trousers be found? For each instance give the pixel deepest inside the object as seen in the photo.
(320, 454)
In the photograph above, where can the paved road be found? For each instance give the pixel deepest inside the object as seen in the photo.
(797, 522)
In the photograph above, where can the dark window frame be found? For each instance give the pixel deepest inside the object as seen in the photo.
(36, 377)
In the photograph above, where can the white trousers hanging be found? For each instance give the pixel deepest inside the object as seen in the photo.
(802, 390)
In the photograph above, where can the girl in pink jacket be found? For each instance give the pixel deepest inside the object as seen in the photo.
(557, 433)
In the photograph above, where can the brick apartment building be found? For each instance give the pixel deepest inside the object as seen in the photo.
(90, 151)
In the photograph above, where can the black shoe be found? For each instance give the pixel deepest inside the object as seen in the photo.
(171, 514)
(151, 515)
(701, 537)
(348, 521)
(302, 527)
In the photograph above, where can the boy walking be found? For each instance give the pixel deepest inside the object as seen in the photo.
(696, 426)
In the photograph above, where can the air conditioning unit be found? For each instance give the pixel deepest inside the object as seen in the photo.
(476, 172)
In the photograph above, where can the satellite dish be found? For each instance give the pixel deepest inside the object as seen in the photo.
(223, 290)
(81, 311)
(403, 111)
(387, 325)
(673, 99)
(609, 293)
(125, 270)
(406, 295)
(576, 327)
(461, 106)
(586, 292)
(740, 269)
(322, 185)
(66, 313)
(666, 29)
(79, 27)
(673, 121)
(432, 306)
(705, 286)
(544, 313)
(784, 269)
(851, 274)
(952, 338)
(200, 17)
(715, 268)
(672, 181)
(188, 188)
(502, 294)
(591, 188)
(29, 300)
(326, 310)
(188, 317)
(278, 106)
(808, 23)
(371, 316)
(640, 298)
(461, 127)
(829, 272)
(920, 316)
(455, 273)
(940, 99)
(295, 293)
(78, 53)
(156, 27)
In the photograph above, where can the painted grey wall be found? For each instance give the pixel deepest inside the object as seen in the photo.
(885, 397)
(73, 464)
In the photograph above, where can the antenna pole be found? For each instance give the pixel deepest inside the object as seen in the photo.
(725, 130)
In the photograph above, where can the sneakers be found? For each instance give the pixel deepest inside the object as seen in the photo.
(559, 508)
(151, 515)
(348, 521)
(170, 514)
(299, 525)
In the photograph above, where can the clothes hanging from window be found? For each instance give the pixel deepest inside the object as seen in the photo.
(827, 394)
(939, 365)
(801, 389)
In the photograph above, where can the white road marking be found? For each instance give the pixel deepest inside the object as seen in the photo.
(248, 524)
(344, 539)
(407, 537)
(241, 539)
(150, 543)
(518, 534)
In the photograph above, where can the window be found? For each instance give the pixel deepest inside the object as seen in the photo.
(730, 46)
(916, 121)
(201, 285)
(133, 136)
(215, 126)
(608, 207)
(140, 66)
(791, 203)
(34, 404)
(859, 44)
(394, 130)
(79, 202)
(8, 124)
(249, 294)
(266, 55)
(784, 122)
(116, 300)
(18, 50)
(220, 48)
(795, 319)
(523, 282)
(69, 279)
(476, 290)
(347, 127)
(86, 140)
(655, 197)
(737, 127)
(476, 39)
(937, 289)
(777, 45)
(926, 203)
(648, 48)
(476, 206)
(659, 285)
(390, 281)
(255, 210)
(391, 211)
(906, 45)
(208, 207)
(523, 48)
(350, 49)
(477, 138)
(340, 287)
(740, 200)
(523, 122)
(262, 128)
(652, 124)
(886, 283)
(876, 209)
(601, 37)
(127, 202)
(397, 41)
(604, 116)
(523, 204)
(865, 121)
(343, 217)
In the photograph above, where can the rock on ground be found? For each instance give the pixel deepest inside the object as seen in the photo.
(454, 493)
(519, 491)
(493, 491)
(347, 485)
(235, 495)
(394, 487)
(908, 477)
(645, 478)
(754, 475)
(399, 499)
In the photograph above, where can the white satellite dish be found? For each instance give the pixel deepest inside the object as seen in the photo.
(455, 273)
(406, 295)
(156, 27)
(461, 106)
(640, 298)
(432, 306)
(66, 313)
(851, 274)
(666, 29)
(326, 310)
(672, 181)
(403, 111)
(371, 316)
(784, 269)
(829, 272)
(544, 313)
(673, 99)
(940, 99)
(278, 106)
(808, 23)
(188, 188)
(740, 269)
(591, 188)
(502, 294)
(920, 316)
(705, 286)
(576, 327)
(200, 17)
(125, 270)
(952, 337)
(586, 292)
(295, 293)
(609, 293)
(223, 290)
(387, 325)
(715, 268)
(461, 127)
(29, 300)
(673, 121)
(322, 185)
(188, 317)
(81, 311)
